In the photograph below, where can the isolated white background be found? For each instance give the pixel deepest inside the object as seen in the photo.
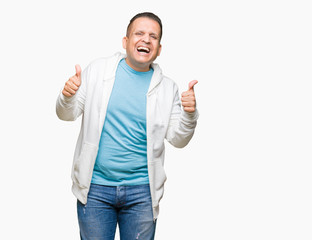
(247, 172)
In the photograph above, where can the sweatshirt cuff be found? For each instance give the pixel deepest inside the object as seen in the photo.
(67, 100)
(191, 117)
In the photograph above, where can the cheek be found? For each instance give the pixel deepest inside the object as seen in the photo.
(134, 40)
(158, 51)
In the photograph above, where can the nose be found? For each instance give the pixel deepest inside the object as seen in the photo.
(146, 38)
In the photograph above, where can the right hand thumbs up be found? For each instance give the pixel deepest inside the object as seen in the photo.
(73, 83)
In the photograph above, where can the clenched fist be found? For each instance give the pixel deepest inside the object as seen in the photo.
(73, 83)
(188, 98)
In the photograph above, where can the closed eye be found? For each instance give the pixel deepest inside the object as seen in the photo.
(139, 33)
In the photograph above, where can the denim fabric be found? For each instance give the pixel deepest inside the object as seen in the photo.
(129, 206)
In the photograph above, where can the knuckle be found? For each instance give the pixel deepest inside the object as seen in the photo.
(72, 79)
(77, 83)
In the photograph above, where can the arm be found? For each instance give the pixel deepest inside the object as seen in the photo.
(183, 122)
(70, 102)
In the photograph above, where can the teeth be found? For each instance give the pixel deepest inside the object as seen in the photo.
(143, 49)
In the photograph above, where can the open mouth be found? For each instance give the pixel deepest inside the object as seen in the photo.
(143, 49)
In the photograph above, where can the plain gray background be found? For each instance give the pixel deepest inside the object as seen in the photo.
(247, 172)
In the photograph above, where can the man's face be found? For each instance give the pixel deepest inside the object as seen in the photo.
(142, 43)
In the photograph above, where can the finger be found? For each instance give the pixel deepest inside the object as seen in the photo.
(188, 104)
(191, 84)
(67, 94)
(189, 109)
(78, 70)
(72, 85)
(185, 94)
(75, 81)
(68, 89)
(188, 93)
(188, 98)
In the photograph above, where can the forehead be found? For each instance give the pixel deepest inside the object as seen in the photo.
(145, 24)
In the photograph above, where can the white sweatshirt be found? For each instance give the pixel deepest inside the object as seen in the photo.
(164, 119)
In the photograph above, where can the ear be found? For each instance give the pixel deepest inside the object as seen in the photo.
(124, 42)
(159, 50)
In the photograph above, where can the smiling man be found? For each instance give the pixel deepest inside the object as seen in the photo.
(142, 42)
(128, 109)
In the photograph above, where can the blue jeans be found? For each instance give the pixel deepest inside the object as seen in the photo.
(129, 206)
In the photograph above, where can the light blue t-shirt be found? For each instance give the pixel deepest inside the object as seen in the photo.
(122, 154)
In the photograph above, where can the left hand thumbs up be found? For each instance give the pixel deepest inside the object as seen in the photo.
(192, 84)
(188, 98)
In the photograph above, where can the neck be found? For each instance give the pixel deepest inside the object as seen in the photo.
(138, 67)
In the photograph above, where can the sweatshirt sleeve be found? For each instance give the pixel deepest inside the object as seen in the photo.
(181, 125)
(70, 108)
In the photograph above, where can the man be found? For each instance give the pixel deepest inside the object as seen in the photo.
(128, 108)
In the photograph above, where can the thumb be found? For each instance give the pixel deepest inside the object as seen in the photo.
(78, 71)
(192, 84)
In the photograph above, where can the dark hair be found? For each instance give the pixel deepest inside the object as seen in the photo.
(147, 15)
